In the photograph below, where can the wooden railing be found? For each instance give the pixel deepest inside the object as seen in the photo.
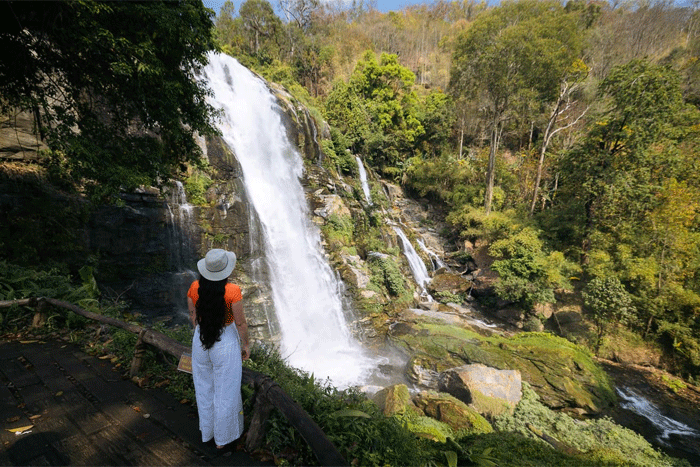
(268, 394)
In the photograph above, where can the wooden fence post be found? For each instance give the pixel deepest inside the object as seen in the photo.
(40, 313)
(139, 351)
(261, 411)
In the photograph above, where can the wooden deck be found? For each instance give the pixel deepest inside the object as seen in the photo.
(72, 409)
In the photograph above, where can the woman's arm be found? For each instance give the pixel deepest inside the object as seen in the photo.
(193, 311)
(242, 326)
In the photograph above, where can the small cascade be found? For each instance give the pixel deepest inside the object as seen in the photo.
(434, 258)
(181, 249)
(363, 180)
(667, 426)
(420, 272)
(180, 214)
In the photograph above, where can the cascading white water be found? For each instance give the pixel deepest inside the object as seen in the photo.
(643, 407)
(306, 293)
(363, 180)
(420, 272)
(181, 251)
(435, 259)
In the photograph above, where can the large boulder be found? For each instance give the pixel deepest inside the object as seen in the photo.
(394, 400)
(353, 272)
(462, 381)
(329, 205)
(421, 375)
(453, 283)
(450, 410)
(18, 137)
(490, 391)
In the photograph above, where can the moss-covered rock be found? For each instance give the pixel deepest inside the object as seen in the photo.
(427, 427)
(394, 400)
(490, 407)
(455, 413)
(564, 374)
(452, 283)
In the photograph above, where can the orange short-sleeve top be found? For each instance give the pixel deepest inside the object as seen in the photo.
(232, 294)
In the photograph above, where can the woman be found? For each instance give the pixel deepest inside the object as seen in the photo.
(218, 348)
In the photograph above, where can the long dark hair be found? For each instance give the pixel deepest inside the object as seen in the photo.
(211, 310)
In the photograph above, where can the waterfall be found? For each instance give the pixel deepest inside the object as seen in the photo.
(420, 272)
(646, 409)
(306, 293)
(363, 180)
(181, 249)
(434, 259)
(180, 214)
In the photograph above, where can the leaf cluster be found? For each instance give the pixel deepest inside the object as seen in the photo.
(113, 86)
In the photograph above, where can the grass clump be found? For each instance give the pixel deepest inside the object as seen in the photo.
(338, 230)
(386, 274)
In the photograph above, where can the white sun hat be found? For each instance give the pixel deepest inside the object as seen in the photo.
(217, 264)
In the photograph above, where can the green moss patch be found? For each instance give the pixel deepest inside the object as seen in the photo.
(562, 373)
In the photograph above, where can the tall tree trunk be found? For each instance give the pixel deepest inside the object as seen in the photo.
(461, 139)
(561, 106)
(491, 171)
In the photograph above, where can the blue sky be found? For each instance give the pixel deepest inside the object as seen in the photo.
(382, 5)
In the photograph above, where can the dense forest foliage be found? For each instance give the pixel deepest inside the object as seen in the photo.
(565, 134)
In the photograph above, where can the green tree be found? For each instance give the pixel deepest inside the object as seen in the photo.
(226, 24)
(385, 86)
(509, 54)
(346, 112)
(527, 274)
(114, 86)
(613, 173)
(262, 26)
(313, 64)
(608, 304)
(634, 200)
(437, 116)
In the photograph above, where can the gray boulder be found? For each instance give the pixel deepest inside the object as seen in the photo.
(464, 381)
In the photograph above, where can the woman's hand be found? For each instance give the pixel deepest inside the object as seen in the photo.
(242, 325)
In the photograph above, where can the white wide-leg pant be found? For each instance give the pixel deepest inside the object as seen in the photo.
(217, 383)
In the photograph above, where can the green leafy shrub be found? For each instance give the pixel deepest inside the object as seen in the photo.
(608, 303)
(196, 187)
(17, 282)
(446, 296)
(338, 230)
(472, 223)
(386, 274)
(528, 275)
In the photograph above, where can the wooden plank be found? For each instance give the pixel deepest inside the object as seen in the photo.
(118, 445)
(82, 413)
(18, 374)
(81, 450)
(174, 453)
